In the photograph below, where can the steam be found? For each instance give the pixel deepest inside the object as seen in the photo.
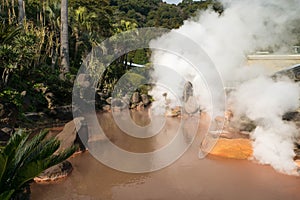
(243, 28)
(265, 101)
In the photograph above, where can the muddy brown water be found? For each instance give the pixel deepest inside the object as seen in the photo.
(211, 178)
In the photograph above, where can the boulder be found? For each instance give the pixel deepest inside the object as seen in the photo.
(106, 108)
(145, 99)
(134, 105)
(68, 135)
(246, 124)
(291, 116)
(240, 148)
(108, 100)
(187, 91)
(140, 106)
(191, 106)
(55, 172)
(84, 80)
(135, 98)
(118, 104)
(126, 99)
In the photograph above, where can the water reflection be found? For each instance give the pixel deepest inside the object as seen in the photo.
(187, 178)
(110, 144)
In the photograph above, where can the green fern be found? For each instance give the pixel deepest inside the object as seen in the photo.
(22, 159)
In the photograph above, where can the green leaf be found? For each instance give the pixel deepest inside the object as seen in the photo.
(6, 195)
(21, 160)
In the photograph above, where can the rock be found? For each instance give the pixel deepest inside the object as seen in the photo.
(292, 116)
(126, 99)
(145, 99)
(226, 134)
(108, 100)
(33, 116)
(83, 80)
(135, 98)
(134, 105)
(173, 112)
(62, 112)
(55, 172)
(68, 135)
(9, 116)
(191, 105)
(297, 163)
(187, 91)
(298, 143)
(231, 133)
(246, 124)
(49, 97)
(7, 130)
(140, 106)
(106, 108)
(118, 104)
(240, 148)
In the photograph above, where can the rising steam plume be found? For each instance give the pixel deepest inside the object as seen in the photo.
(244, 27)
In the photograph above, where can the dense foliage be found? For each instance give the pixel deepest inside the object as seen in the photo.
(30, 44)
(22, 159)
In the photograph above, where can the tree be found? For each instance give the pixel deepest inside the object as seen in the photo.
(21, 8)
(22, 159)
(64, 39)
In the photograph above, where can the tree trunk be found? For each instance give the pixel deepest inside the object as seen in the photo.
(64, 39)
(21, 7)
(13, 9)
(9, 12)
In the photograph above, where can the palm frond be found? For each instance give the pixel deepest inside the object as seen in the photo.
(22, 159)
(6, 195)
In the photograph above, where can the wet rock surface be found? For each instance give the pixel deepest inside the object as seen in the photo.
(55, 172)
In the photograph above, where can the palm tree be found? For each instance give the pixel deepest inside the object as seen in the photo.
(21, 7)
(22, 159)
(64, 39)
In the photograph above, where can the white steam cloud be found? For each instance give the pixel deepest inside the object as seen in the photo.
(244, 27)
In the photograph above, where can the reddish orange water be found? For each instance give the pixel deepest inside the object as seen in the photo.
(188, 178)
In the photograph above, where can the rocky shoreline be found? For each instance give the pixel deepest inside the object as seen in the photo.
(234, 141)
